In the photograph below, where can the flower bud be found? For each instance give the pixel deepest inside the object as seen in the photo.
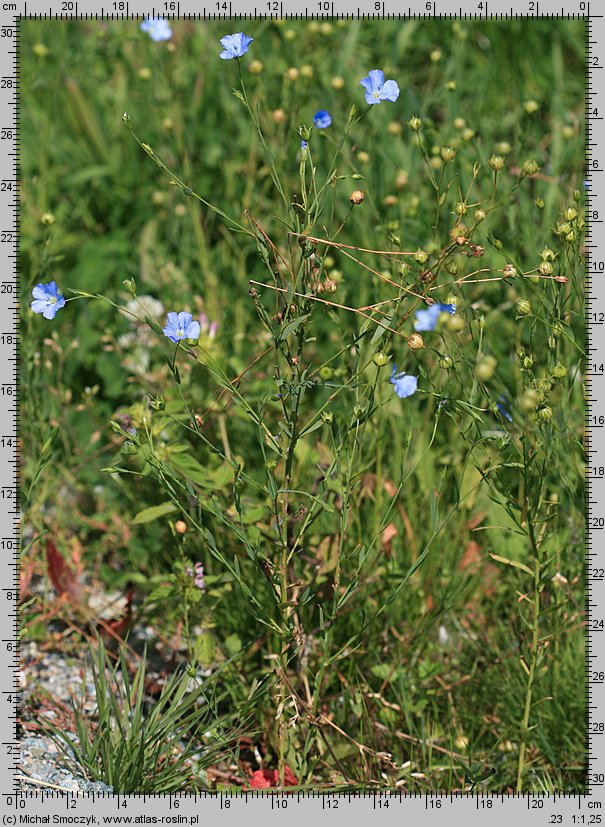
(255, 67)
(459, 123)
(363, 157)
(306, 71)
(559, 580)
(547, 254)
(415, 123)
(401, 179)
(358, 411)
(454, 323)
(130, 285)
(157, 403)
(544, 386)
(326, 373)
(503, 147)
(460, 208)
(468, 134)
(539, 202)
(380, 359)
(528, 363)
(415, 342)
(46, 219)
(337, 83)
(356, 197)
(486, 367)
(551, 342)
(328, 417)
(144, 73)
(330, 286)
(436, 55)
(180, 527)
(292, 73)
(570, 214)
(278, 116)
(570, 237)
(480, 215)
(563, 228)
(271, 465)
(559, 371)
(577, 196)
(545, 268)
(448, 153)
(529, 400)
(421, 257)
(446, 362)
(545, 413)
(530, 167)
(394, 128)
(496, 162)
(126, 120)
(531, 106)
(523, 307)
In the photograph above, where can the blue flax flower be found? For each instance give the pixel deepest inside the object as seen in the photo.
(502, 406)
(47, 299)
(322, 119)
(157, 28)
(234, 45)
(427, 319)
(404, 385)
(180, 326)
(377, 89)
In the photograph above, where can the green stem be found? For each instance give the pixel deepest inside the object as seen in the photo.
(535, 642)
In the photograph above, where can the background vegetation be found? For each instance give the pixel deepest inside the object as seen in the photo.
(429, 686)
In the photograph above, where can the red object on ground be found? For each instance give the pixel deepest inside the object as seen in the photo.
(262, 779)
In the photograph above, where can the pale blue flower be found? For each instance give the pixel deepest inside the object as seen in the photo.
(180, 326)
(377, 89)
(427, 319)
(47, 299)
(157, 28)
(322, 119)
(404, 385)
(501, 405)
(234, 45)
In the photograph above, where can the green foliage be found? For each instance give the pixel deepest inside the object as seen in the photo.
(409, 571)
(140, 747)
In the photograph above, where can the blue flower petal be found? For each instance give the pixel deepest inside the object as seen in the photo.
(404, 385)
(234, 45)
(377, 89)
(322, 119)
(390, 91)
(47, 300)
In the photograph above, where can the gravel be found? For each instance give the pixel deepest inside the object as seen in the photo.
(42, 765)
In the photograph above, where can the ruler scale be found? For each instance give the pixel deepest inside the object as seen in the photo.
(19, 807)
